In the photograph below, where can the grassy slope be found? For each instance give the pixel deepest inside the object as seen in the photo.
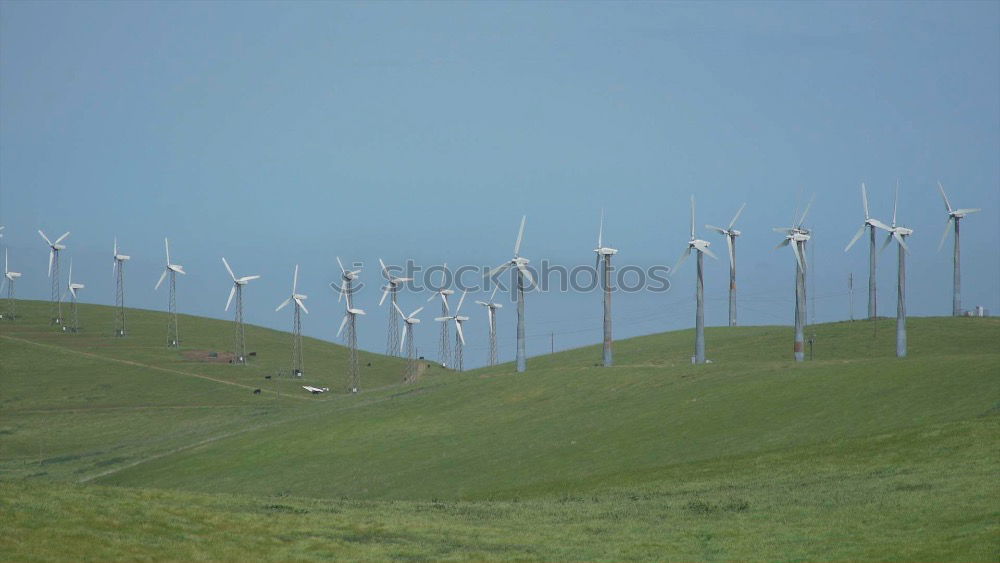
(856, 455)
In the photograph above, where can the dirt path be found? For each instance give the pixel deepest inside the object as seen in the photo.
(145, 366)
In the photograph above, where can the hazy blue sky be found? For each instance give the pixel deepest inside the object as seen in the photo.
(283, 133)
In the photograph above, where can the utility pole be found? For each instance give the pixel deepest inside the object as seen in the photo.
(850, 291)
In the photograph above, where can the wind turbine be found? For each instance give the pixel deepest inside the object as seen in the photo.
(296, 298)
(240, 345)
(173, 339)
(899, 234)
(444, 342)
(796, 237)
(392, 288)
(730, 233)
(118, 271)
(350, 320)
(954, 216)
(54, 249)
(9, 278)
(523, 273)
(459, 333)
(701, 247)
(491, 308)
(73, 288)
(871, 224)
(348, 277)
(604, 254)
(411, 360)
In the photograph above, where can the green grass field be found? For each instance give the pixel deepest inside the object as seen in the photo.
(115, 449)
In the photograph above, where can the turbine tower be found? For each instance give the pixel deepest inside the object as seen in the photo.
(604, 254)
(391, 289)
(954, 216)
(410, 375)
(296, 298)
(350, 320)
(459, 333)
(871, 224)
(491, 312)
(521, 270)
(173, 339)
(444, 342)
(54, 249)
(240, 342)
(701, 247)
(118, 271)
(900, 234)
(10, 279)
(796, 237)
(73, 288)
(730, 233)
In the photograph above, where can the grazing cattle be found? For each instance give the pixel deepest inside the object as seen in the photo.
(267, 377)
(256, 391)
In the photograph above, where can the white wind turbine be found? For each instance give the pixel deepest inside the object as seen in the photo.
(350, 321)
(701, 247)
(296, 298)
(411, 360)
(10, 279)
(118, 272)
(491, 312)
(73, 288)
(796, 237)
(54, 248)
(523, 273)
(459, 333)
(444, 342)
(604, 254)
(392, 286)
(730, 233)
(173, 338)
(240, 341)
(871, 224)
(954, 216)
(899, 234)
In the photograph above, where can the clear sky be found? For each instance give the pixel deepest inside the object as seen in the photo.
(284, 133)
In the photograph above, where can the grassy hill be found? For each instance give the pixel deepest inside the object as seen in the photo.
(854, 455)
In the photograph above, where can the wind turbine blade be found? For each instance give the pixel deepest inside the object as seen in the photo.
(116, 247)
(857, 235)
(72, 290)
(60, 239)
(402, 340)
(283, 304)
(947, 228)
(342, 323)
(384, 269)
(461, 334)
(70, 272)
(341, 264)
(600, 230)
(947, 203)
(52, 254)
(888, 239)
(901, 242)
(460, 301)
(782, 243)
(384, 294)
(398, 310)
(228, 269)
(413, 314)
(732, 251)
(692, 216)
(489, 311)
(895, 202)
(719, 230)
(162, 276)
(166, 244)
(798, 257)
(597, 262)
(709, 252)
(737, 216)
(687, 252)
(444, 299)
(967, 211)
(520, 235)
(494, 293)
(499, 269)
(232, 292)
(527, 274)
(301, 304)
(864, 199)
(45, 238)
(295, 280)
(249, 278)
(802, 219)
(431, 298)
(442, 319)
(880, 224)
